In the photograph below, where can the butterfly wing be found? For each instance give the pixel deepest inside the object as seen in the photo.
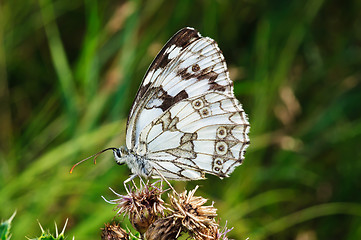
(188, 65)
(185, 119)
(204, 134)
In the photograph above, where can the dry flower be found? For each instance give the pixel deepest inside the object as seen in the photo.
(222, 235)
(114, 232)
(163, 229)
(196, 219)
(186, 214)
(208, 233)
(213, 233)
(143, 206)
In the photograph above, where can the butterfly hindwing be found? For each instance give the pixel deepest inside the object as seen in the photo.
(203, 134)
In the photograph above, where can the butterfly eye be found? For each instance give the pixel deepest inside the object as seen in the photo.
(118, 153)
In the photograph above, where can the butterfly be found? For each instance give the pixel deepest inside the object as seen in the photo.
(185, 120)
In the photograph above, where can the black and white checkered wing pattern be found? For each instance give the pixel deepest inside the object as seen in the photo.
(185, 119)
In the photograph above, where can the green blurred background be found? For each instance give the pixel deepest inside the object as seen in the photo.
(69, 71)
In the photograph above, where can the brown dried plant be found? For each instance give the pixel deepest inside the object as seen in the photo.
(154, 219)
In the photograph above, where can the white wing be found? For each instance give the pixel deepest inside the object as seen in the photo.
(203, 134)
(187, 66)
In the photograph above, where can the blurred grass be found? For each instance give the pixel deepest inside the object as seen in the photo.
(69, 71)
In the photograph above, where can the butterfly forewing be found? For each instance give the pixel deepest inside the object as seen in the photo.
(185, 119)
(188, 65)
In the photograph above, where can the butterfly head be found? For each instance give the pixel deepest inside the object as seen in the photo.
(120, 154)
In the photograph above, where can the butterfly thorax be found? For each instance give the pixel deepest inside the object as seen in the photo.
(139, 165)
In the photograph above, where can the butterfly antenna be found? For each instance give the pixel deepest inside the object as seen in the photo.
(95, 158)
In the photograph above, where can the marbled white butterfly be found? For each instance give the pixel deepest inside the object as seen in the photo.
(185, 120)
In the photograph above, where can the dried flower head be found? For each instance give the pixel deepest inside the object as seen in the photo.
(208, 233)
(114, 232)
(213, 233)
(163, 229)
(196, 219)
(222, 235)
(143, 206)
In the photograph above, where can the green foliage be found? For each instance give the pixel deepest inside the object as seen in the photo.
(69, 71)
(5, 233)
(5, 227)
(46, 235)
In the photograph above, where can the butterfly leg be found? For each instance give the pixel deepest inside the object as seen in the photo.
(128, 180)
(135, 185)
(164, 179)
(141, 181)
